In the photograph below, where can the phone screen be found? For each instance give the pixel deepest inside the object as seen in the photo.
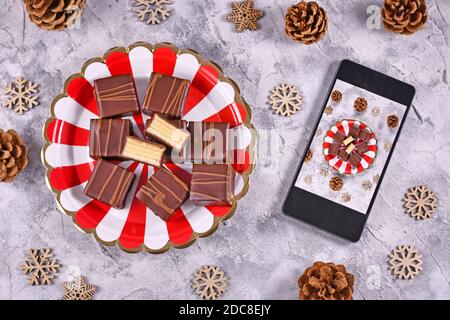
(351, 146)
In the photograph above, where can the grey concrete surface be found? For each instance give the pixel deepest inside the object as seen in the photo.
(261, 251)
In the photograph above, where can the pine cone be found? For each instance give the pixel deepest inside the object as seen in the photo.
(404, 16)
(336, 96)
(392, 121)
(309, 155)
(54, 14)
(336, 183)
(306, 22)
(360, 104)
(326, 281)
(13, 155)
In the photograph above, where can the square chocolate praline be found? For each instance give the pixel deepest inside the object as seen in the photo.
(209, 142)
(165, 95)
(334, 149)
(362, 147)
(343, 155)
(109, 183)
(107, 137)
(364, 135)
(163, 193)
(354, 159)
(176, 156)
(354, 132)
(116, 96)
(339, 136)
(212, 184)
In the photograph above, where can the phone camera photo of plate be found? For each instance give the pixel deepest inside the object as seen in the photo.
(130, 223)
(350, 146)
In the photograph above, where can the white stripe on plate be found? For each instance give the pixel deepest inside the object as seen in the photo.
(240, 137)
(328, 139)
(73, 199)
(238, 184)
(71, 111)
(186, 66)
(218, 98)
(111, 226)
(141, 60)
(96, 70)
(200, 218)
(61, 155)
(364, 164)
(346, 127)
(333, 161)
(135, 127)
(156, 234)
(370, 154)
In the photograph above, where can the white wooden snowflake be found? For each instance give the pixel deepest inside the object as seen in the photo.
(152, 11)
(209, 282)
(405, 262)
(285, 100)
(420, 202)
(40, 266)
(78, 290)
(19, 95)
(366, 185)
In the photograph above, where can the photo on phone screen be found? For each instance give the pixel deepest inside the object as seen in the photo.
(352, 142)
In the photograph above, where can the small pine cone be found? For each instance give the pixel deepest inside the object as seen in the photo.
(13, 155)
(326, 281)
(360, 104)
(336, 96)
(336, 183)
(392, 121)
(404, 16)
(306, 22)
(309, 155)
(54, 14)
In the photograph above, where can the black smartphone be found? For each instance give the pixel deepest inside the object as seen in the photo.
(340, 173)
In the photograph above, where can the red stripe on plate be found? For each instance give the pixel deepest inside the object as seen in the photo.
(59, 131)
(367, 158)
(180, 231)
(62, 178)
(219, 211)
(204, 81)
(373, 148)
(241, 160)
(329, 157)
(338, 164)
(133, 232)
(234, 114)
(326, 145)
(164, 60)
(360, 168)
(91, 214)
(330, 134)
(180, 173)
(118, 63)
(362, 125)
(348, 168)
(80, 90)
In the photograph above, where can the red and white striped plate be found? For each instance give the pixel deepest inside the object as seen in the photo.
(345, 167)
(212, 97)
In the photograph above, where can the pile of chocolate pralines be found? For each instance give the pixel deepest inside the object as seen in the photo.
(167, 138)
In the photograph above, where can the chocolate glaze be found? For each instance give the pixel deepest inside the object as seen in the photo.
(165, 95)
(209, 142)
(107, 137)
(163, 193)
(110, 184)
(212, 184)
(116, 96)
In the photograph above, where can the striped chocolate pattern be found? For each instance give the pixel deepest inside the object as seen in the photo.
(165, 95)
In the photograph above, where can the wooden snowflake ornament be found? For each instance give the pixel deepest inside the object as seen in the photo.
(405, 262)
(40, 267)
(420, 202)
(152, 11)
(210, 282)
(285, 100)
(20, 95)
(245, 16)
(78, 290)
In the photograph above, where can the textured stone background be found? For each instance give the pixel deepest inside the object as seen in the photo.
(262, 251)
